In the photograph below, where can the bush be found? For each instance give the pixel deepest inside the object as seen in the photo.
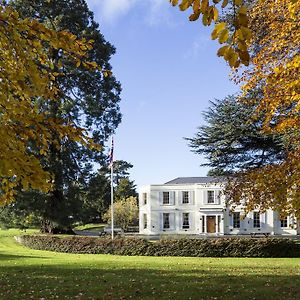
(221, 247)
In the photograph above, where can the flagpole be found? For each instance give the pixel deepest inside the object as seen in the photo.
(112, 187)
(112, 200)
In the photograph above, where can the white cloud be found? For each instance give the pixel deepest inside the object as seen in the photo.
(159, 12)
(199, 45)
(111, 10)
(155, 11)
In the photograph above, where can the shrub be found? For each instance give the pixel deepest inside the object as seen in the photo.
(221, 247)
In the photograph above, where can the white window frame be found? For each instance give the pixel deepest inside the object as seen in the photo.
(256, 219)
(163, 198)
(185, 196)
(163, 220)
(186, 221)
(283, 222)
(145, 198)
(209, 198)
(145, 221)
(236, 220)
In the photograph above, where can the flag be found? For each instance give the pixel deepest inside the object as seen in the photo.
(111, 153)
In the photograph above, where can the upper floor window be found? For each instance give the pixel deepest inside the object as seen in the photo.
(284, 222)
(166, 221)
(166, 198)
(236, 220)
(145, 198)
(185, 221)
(185, 197)
(210, 197)
(256, 219)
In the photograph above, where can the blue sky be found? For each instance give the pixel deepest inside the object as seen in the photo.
(169, 72)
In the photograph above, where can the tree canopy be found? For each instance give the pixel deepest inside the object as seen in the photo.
(27, 72)
(273, 70)
(86, 98)
(231, 143)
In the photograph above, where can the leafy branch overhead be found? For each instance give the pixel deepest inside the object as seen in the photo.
(238, 40)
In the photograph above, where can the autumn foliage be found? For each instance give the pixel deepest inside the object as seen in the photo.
(27, 73)
(275, 71)
(235, 50)
(263, 35)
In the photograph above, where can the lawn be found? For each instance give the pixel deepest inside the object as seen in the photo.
(32, 274)
(91, 227)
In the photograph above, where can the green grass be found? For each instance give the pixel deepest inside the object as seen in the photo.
(32, 274)
(91, 227)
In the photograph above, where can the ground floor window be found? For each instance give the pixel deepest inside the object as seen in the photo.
(185, 221)
(284, 222)
(237, 220)
(145, 221)
(166, 221)
(219, 224)
(203, 223)
(256, 219)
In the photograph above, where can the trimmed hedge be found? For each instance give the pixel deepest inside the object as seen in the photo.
(219, 247)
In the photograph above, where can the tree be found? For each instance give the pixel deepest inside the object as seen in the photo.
(125, 212)
(27, 72)
(275, 71)
(124, 189)
(231, 143)
(87, 98)
(121, 170)
(273, 44)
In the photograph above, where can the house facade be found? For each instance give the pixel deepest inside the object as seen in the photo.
(195, 205)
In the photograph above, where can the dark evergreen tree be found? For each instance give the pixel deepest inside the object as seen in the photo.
(125, 189)
(87, 99)
(232, 141)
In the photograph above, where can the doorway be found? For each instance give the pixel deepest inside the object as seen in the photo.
(211, 224)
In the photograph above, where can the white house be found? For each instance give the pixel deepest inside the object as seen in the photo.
(195, 205)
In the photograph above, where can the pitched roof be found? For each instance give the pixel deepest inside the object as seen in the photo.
(192, 180)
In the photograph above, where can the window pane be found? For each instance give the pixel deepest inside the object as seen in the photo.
(145, 198)
(166, 198)
(210, 197)
(236, 220)
(256, 219)
(166, 221)
(145, 220)
(185, 221)
(185, 197)
(284, 222)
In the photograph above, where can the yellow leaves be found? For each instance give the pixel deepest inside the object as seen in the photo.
(223, 36)
(239, 38)
(238, 2)
(217, 30)
(28, 72)
(174, 2)
(276, 64)
(224, 4)
(185, 4)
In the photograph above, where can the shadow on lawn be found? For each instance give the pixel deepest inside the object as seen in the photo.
(17, 256)
(69, 282)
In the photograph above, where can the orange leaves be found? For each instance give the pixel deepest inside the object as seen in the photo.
(276, 63)
(238, 40)
(28, 72)
(275, 186)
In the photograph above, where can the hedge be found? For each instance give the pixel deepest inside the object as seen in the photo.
(219, 247)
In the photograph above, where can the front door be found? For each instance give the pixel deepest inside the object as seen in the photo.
(211, 224)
